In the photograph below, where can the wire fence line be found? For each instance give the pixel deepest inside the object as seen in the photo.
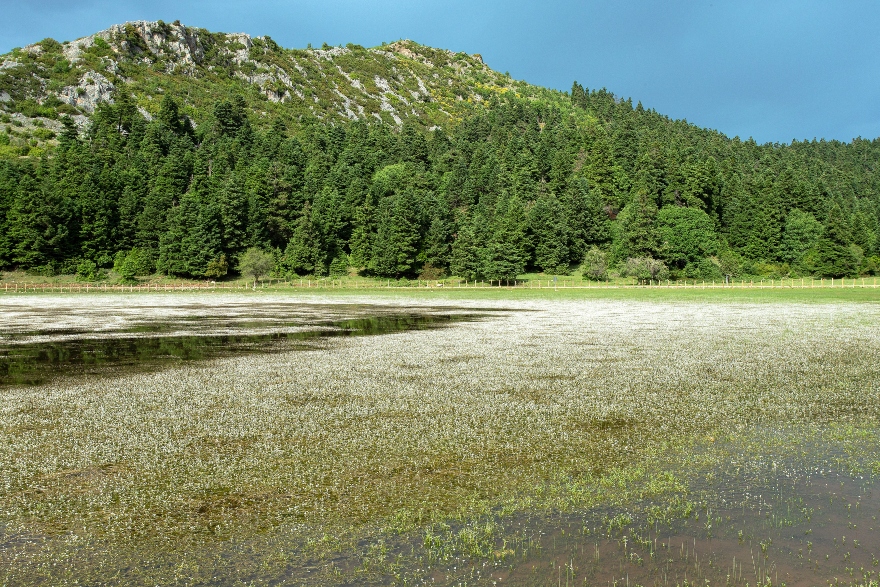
(342, 283)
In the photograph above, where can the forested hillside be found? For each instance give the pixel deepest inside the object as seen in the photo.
(160, 147)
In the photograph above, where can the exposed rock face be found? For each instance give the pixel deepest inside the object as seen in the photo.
(168, 39)
(92, 89)
(181, 44)
(241, 55)
(390, 83)
(331, 52)
(274, 83)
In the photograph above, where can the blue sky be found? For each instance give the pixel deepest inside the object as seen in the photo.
(774, 70)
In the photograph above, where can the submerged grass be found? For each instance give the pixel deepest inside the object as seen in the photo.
(379, 459)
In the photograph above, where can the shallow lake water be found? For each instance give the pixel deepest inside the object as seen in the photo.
(520, 446)
(37, 356)
(807, 531)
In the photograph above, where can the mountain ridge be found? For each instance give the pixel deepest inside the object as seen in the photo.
(391, 83)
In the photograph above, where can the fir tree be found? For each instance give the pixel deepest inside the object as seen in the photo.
(437, 247)
(304, 254)
(835, 257)
(504, 255)
(802, 234)
(363, 232)
(397, 235)
(638, 233)
(465, 261)
(550, 234)
(38, 225)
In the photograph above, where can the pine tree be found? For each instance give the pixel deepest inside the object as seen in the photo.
(765, 237)
(129, 208)
(363, 232)
(835, 257)
(169, 115)
(230, 117)
(305, 254)
(862, 233)
(600, 171)
(9, 177)
(466, 260)
(638, 233)
(38, 223)
(702, 185)
(397, 235)
(587, 217)
(192, 239)
(412, 145)
(229, 193)
(170, 184)
(736, 216)
(258, 197)
(802, 234)
(650, 175)
(504, 256)
(548, 225)
(95, 195)
(437, 246)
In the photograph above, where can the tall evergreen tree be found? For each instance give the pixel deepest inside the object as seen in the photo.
(363, 233)
(588, 217)
(438, 240)
(305, 253)
(466, 261)
(9, 177)
(835, 256)
(38, 223)
(548, 224)
(638, 232)
(395, 248)
(802, 234)
(504, 255)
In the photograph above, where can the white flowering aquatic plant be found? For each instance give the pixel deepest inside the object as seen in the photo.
(562, 404)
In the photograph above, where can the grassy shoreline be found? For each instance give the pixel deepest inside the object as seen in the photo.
(826, 294)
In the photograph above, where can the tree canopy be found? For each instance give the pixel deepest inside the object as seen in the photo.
(522, 185)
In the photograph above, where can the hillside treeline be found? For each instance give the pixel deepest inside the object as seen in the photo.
(521, 186)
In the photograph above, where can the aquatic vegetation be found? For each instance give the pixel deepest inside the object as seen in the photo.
(198, 333)
(386, 456)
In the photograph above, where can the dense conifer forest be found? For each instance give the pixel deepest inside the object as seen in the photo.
(516, 182)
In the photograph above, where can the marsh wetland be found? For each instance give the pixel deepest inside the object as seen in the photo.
(251, 440)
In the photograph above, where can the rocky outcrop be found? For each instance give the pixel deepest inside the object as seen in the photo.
(330, 53)
(397, 81)
(159, 38)
(93, 88)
